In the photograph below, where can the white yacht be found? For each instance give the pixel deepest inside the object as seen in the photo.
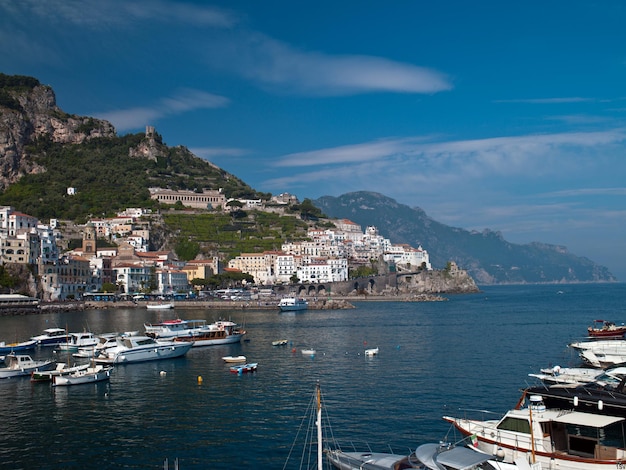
(142, 348)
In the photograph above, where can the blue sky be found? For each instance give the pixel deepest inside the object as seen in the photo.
(502, 115)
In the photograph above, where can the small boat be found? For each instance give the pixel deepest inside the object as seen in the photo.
(309, 352)
(62, 368)
(22, 364)
(231, 359)
(606, 329)
(78, 340)
(220, 332)
(142, 348)
(292, 304)
(280, 342)
(555, 438)
(371, 352)
(89, 375)
(160, 306)
(17, 347)
(244, 368)
(51, 337)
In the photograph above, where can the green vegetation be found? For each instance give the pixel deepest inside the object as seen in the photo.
(107, 179)
(220, 233)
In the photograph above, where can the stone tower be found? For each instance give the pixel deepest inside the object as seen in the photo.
(89, 240)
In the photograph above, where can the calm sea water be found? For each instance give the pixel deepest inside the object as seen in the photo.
(473, 351)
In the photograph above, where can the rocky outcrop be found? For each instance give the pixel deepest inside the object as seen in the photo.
(29, 113)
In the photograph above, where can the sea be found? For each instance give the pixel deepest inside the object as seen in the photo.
(472, 351)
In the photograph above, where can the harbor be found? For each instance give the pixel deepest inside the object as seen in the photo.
(433, 361)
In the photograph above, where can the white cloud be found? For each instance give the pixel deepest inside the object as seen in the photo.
(286, 69)
(184, 100)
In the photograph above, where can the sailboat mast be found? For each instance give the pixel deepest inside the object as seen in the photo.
(319, 428)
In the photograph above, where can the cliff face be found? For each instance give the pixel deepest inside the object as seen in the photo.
(28, 113)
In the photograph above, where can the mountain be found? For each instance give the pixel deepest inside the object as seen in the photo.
(487, 257)
(44, 151)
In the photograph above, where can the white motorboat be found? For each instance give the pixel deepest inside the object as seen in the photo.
(160, 306)
(292, 304)
(78, 340)
(309, 352)
(371, 352)
(567, 375)
(427, 456)
(51, 337)
(220, 332)
(22, 364)
(175, 327)
(97, 373)
(602, 353)
(555, 438)
(142, 348)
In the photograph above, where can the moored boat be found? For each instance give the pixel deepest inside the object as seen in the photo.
(75, 341)
(279, 342)
(292, 304)
(371, 352)
(22, 364)
(51, 337)
(606, 329)
(555, 438)
(97, 373)
(567, 375)
(220, 332)
(175, 327)
(232, 359)
(62, 368)
(140, 349)
(244, 368)
(17, 347)
(160, 306)
(309, 352)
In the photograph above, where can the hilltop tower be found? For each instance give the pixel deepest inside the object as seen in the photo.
(89, 240)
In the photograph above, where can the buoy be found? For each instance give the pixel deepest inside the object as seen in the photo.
(199, 380)
(293, 350)
(163, 373)
(398, 347)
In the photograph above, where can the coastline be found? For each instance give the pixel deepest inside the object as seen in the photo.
(329, 303)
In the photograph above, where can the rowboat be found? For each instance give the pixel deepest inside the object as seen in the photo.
(231, 359)
(244, 368)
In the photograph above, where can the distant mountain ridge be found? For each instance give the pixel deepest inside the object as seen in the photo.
(486, 255)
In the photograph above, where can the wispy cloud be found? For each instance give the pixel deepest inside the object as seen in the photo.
(274, 64)
(571, 99)
(183, 101)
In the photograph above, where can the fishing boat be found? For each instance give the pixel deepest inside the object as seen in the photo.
(51, 337)
(97, 373)
(292, 304)
(555, 438)
(131, 349)
(606, 329)
(22, 364)
(7, 348)
(220, 332)
(75, 341)
(231, 359)
(244, 368)
(62, 368)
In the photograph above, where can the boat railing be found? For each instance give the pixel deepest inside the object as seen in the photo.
(366, 447)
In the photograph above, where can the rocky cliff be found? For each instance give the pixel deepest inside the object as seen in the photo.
(29, 112)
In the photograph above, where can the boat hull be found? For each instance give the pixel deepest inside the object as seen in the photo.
(90, 375)
(16, 347)
(154, 352)
(6, 372)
